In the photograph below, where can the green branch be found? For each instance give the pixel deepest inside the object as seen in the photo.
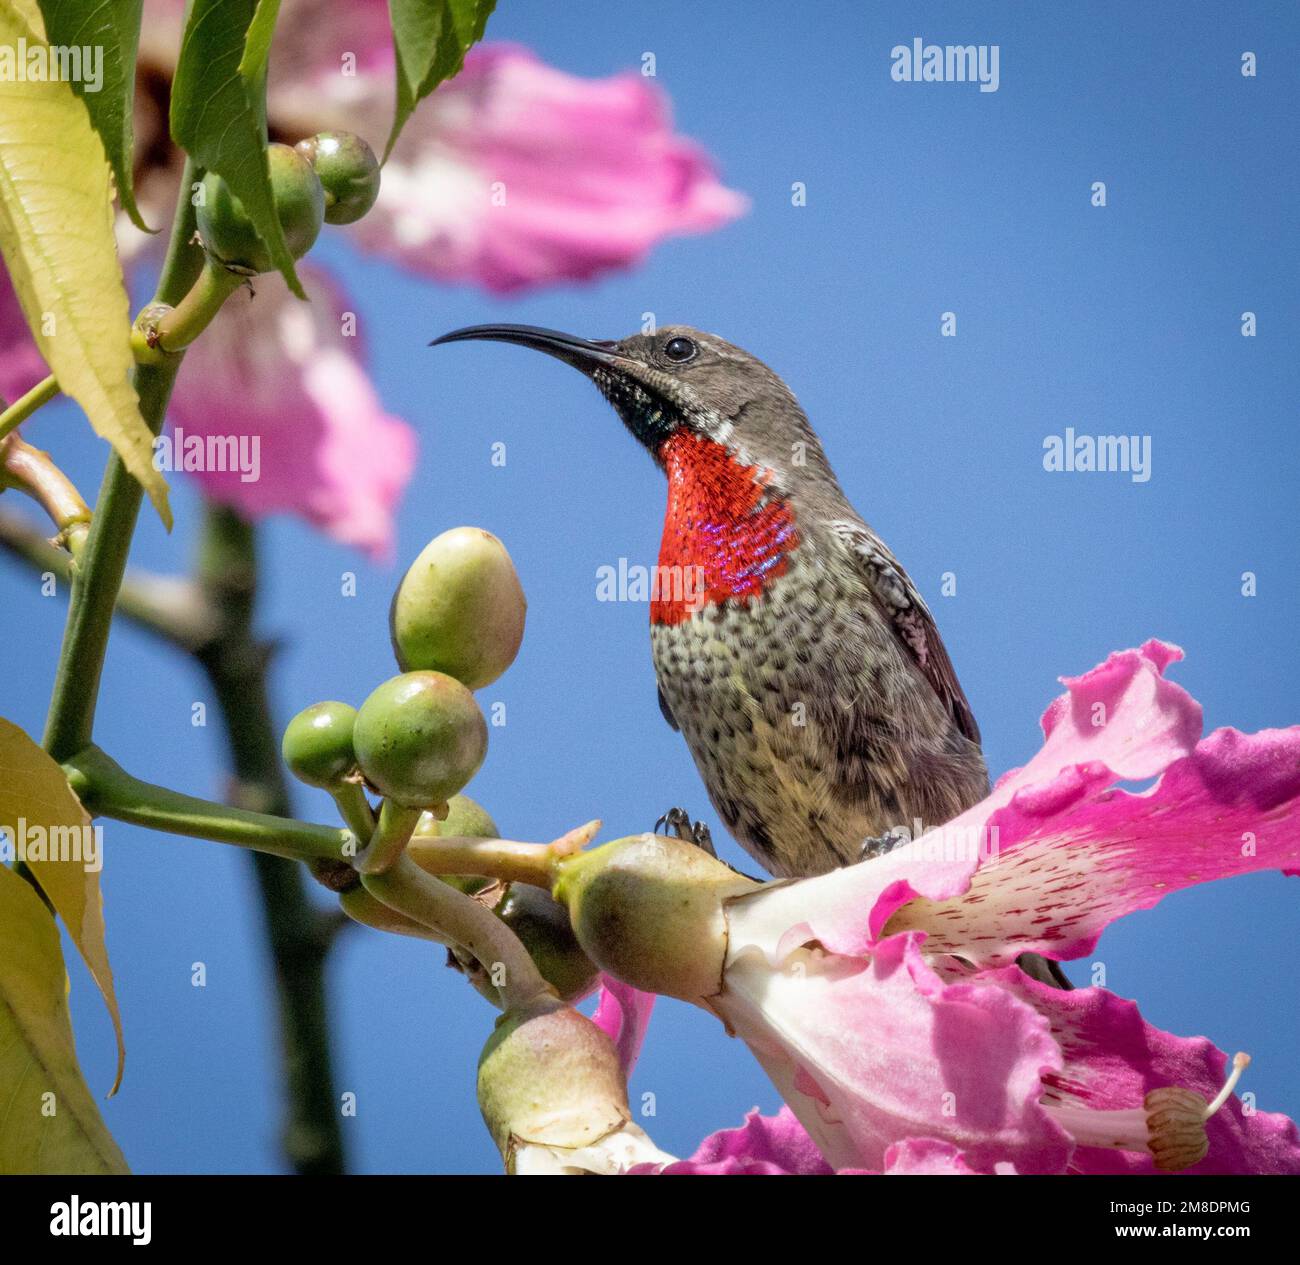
(108, 790)
(23, 407)
(69, 726)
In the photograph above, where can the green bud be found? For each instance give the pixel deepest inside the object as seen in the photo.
(649, 910)
(549, 1077)
(317, 744)
(542, 924)
(460, 608)
(466, 819)
(419, 738)
(348, 171)
(228, 234)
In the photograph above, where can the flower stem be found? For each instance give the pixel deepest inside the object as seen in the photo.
(503, 859)
(393, 832)
(108, 790)
(23, 407)
(191, 316)
(354, 808)
(476, 929)
(370, 911)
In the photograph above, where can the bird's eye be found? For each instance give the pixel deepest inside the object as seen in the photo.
(679, 349)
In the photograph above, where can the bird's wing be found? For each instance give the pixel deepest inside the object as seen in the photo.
(913, 624)
(668, 711)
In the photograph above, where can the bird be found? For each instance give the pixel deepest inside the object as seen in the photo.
(791, 649)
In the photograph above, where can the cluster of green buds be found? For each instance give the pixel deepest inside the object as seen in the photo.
(456, 623)
(329, 178)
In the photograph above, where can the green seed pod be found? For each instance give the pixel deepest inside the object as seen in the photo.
(419, 738)
(317, 744)
(542, 923)
(548, 1077)
(459, 609)
(466, 819)
(649, 910)
(228, 234)
(348, 171)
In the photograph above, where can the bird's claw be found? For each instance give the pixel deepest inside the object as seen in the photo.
(678, 820)
(881, 844)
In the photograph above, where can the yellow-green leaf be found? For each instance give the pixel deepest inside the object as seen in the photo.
(56, 235)
(48, 1120)
(39, 812)
(112, 27)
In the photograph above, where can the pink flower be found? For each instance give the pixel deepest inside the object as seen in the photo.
(516, 174)
(881, 998)
(513, 174)
(883, 1001)
(623, 1015)
(21, 366)
(280, 375)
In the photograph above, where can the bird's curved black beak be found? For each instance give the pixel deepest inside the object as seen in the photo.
(582, 353)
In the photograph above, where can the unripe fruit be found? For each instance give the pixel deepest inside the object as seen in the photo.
(228, 234)
(317, 744)
(460, 608)
(419, 738)
(542, 923)
(550, 1077)
(348, 171)
(649, 910)
(466, 819)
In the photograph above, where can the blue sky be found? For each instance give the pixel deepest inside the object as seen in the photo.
(921, 199)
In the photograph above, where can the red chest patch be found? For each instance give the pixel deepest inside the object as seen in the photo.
(722, 539)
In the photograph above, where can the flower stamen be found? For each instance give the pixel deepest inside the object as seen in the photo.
(1169, 1126)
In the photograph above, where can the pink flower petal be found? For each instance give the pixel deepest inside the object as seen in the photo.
(1112, 1058)
(1076, 854)
(623, 1014)
(21, 365)
(515, 174)
(763, 1145)
(1120, 721)
(926, 1157)
(885, 1050)
(282, 372)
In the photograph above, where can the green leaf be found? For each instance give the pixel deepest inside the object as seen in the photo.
(430, 38)
(114, 27)
(56, 235)
(37, 806)
(257, 46)
(48, 1120)
(218, 110)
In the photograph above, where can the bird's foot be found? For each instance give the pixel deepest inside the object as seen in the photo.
(679, 822)
(887, 842)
